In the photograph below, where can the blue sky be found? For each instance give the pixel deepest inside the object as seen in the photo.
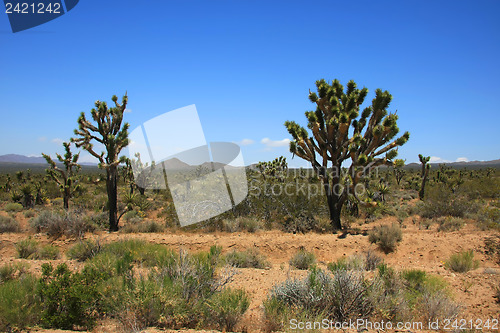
(248, 66)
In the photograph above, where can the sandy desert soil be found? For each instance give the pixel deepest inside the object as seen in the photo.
(422, 249)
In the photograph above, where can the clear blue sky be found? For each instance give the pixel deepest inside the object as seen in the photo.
(248, 66)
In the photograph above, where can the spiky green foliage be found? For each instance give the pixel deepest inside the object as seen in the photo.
(65, 178)
(424, 174)
(275, 169)
(108, 131)
(371, 142)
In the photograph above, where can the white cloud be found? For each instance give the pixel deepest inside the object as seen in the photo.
(57, 141)
(128, 111)
(272, 144)
(462, 159)
(245, 142)
(435, 159)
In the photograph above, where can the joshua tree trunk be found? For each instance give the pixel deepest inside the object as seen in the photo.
(111, 186)
(66, 199)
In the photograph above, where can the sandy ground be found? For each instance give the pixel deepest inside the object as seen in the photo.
(422, 249)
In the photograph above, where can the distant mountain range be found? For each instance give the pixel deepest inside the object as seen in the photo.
(176, 164)
(470, 164)
(171, 164)
(21, 159)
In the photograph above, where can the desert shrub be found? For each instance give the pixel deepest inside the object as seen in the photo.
(340, 297)
(26, 248)
(450, 223)
(437, 306)
(13, 207)
(148, 226)
(462, 262)
(11, 271)
(69, 299)
(148, 254)
(19, 304)
(372, 260)
(388, 296)
(98, 221)
(48, 252)
(386, 237)
(492, 247)
(57, 224)
(249, 224)
(29, 213)
(182, 291)
(223, 310)
(401, 215)
(250, 258)
(425, 224)
(441, 201)
(84, 250)
(303, 259)
(487, 218)
(323, 224)
(354, 262)
(366, 261)
(8, 224)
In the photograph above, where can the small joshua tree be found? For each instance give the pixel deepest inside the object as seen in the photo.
(275, 169)
(423, 174)
(369, 143)
(109, 132)
(65, 178)
(399, 172)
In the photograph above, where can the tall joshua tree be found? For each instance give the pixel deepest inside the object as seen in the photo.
(65, 178)
(108, 131)
(369, 143)
(424, 174)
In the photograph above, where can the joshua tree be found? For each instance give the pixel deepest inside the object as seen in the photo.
(65, 178)
(424, 174)
(368, 144)
(276, 168)
(109, 132)
(399, 173)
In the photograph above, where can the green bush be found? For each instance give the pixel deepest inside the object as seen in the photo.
(84, 250)
(367, 261)
(441, 201)
(13, 207)
(249, 258)
(386, 237)
(19, 304)
(462, 262)
(48, 252)
(8, 224)
(55, 224)
(148, 226)
(450, 223)
(225, 309)
(11, 271)
(303, 259)
(27, 248)
(29, 213)
(69, 299)
(248, 224)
